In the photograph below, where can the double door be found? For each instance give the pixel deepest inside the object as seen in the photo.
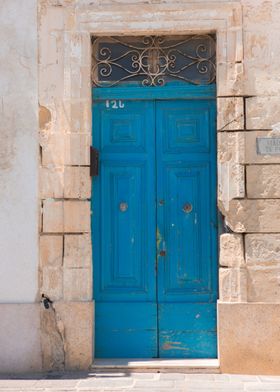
(154, 225)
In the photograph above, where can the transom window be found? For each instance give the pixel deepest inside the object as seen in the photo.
(153, 60)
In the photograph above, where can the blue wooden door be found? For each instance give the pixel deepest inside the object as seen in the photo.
(124, 219)
(186, 219)
(154, 229)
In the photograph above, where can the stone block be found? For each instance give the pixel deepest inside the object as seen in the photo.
(230, 113)
(51, 183)
(77, 149)
(53, 216)
(60, 149)
(20, 338)
(51, 278)
(230, 79)
(251, 155)
(264, 284)
(77, 183)
(80, 116)
(231, 182)
(232, 285)
(263, 181)
(259, 216)
(249, 338)
(231, 250)
(77, 251)
(262, 249)
(231, 147)
(51, 250)
(77, 321)
(77, 284)
(52, 340)
(77, 216)
(231, 157)
(262, 112)
(53, 149)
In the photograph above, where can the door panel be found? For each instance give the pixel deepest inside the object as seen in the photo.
(154, 229)
(187, 222)
(124, 231)
(187, 330)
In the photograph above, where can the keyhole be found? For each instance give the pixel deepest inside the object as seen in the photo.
(187, 208)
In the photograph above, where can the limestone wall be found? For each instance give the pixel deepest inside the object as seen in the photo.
(248, 86)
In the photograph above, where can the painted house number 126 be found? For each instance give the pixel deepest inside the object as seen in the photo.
(114, 104)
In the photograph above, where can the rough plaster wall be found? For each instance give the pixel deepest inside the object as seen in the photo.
(18, 152)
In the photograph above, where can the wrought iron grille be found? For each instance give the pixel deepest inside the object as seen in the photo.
(153, 60)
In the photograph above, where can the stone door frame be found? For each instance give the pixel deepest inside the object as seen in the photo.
(65, 116)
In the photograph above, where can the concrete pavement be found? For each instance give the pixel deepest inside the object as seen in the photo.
(138, 382)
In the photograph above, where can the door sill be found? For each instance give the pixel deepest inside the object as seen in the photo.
(157, 365)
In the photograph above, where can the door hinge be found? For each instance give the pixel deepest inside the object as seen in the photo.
(94, 162)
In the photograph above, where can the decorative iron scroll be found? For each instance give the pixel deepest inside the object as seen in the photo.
(153, 60)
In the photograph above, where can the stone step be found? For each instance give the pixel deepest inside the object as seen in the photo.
(209, 366)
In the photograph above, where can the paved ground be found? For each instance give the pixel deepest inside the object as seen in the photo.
(138, 382)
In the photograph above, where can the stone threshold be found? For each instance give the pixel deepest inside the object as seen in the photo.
(157, 365)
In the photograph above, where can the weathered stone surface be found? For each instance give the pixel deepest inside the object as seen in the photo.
(66, 216)
(231, 250)
(53, 216)
(51, 183)
(263, 181)
(52, 282)
(77, 284)
(230, 113)
(77, 251)
(20, 338)
(52, 340)
(65, 149)
(231, 182)
(262, 249)
(262, 112)
(77, 320)
(53, 148)
(249, 338)
(51, 250)
(77, 149)
(77, 216)
(231, 147)
(77, 183)
(231, 156)
(251, 155)
(232, 285)
(264, 284)
(260, 216)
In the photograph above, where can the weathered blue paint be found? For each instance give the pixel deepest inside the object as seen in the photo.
(187, 221)
(155, 263)
(124, 219)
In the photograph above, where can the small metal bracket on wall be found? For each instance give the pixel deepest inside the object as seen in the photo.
(94, 162)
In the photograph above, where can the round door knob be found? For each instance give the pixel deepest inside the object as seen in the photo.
(123, 206)
(187, 208)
